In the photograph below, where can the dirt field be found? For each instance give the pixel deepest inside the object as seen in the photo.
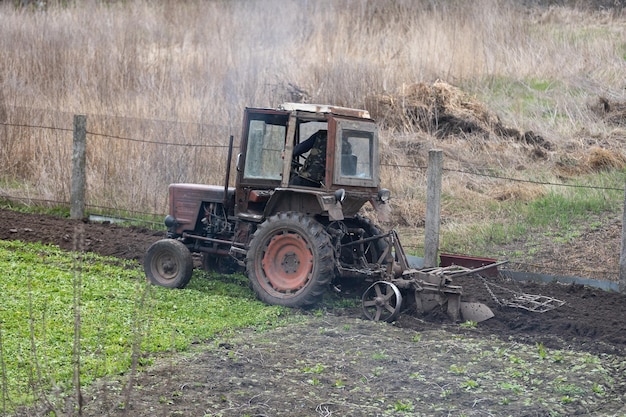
(568, 361)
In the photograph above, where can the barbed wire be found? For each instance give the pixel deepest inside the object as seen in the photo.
(64, 129)
(114, 209)
(188, 145)
(33, 200)
(414, 167)
(404, 166)
(594, 187)
(105, 209)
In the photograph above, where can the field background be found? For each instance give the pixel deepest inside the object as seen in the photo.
(527, 99)
(163, 85)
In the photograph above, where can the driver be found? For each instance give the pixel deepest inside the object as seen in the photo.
(313, 171)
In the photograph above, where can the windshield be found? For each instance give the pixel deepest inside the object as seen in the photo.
(263, 153)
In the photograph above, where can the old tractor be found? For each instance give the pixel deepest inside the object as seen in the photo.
(293, 221)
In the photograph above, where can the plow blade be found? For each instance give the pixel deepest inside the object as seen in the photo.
(456, 309)
(475, 312)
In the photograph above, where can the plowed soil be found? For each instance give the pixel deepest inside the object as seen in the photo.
(335, 363)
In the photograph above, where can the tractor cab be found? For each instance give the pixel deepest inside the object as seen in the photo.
(319, 160)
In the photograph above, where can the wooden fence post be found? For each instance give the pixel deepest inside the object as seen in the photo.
(79, 177)
(622, 258)
(433, 208)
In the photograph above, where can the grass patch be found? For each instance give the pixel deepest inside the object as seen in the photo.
(54, 210)
(560, 214)
(119, 315)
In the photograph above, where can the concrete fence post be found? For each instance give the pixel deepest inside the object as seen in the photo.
(433, 208)
(622, 257)
(79, 177)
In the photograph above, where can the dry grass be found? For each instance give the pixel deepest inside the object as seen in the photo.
(182, 73)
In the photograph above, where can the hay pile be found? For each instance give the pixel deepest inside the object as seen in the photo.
(443, 110)
(590, 160)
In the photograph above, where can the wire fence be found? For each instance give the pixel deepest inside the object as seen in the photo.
(132, 161)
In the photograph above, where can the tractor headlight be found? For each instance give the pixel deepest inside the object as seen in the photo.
(170, 221)
(384, 195)
(340, 195)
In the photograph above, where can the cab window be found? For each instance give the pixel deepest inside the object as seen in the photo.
(356, 157)
(356, 154)
(263, 153)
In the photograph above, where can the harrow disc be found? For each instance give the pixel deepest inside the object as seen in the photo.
(382, 301)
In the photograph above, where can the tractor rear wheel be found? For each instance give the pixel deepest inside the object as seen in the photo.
(168, 263)
(290, 260)
(369, 252)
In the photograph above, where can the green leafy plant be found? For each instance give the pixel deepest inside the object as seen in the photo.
(541, 350)
(403, 406)
(315, 369)
(598, 389)
(470, 384)
(314, 381)
(469, 324)
(458, 370)
(417, 376)
(379, 356)
(339, 384)
(445, 393)
(120, 315)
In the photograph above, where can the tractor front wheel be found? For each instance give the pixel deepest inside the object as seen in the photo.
(168, 263)
(290, 260)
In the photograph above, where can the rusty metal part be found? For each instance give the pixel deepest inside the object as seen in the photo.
(288, 262)
(433, 288)
(534, 303)
(475, 312)
(382, 301)
(472, 262)
(530, 302)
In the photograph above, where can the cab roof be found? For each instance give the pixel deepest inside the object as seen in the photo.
(325, 108)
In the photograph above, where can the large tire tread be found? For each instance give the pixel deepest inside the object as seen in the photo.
(323, 254)
(379, 246)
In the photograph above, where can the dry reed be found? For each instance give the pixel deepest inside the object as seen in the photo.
(182, 73)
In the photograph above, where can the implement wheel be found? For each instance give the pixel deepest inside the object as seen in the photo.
(382, 302)
(168, 263)
(290, 261)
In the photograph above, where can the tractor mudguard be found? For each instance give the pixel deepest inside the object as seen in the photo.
(309, 201)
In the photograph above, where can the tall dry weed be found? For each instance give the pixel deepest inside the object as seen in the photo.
(190, 68)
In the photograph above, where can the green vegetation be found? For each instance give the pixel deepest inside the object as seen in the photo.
(468, 324)
(119, 317)
(55, 210)
(560, 213)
